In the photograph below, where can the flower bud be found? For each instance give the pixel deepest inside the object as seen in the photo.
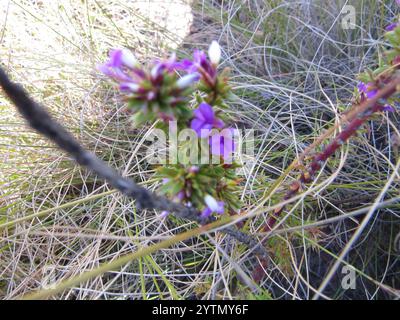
(214, 205)
(129, 86)
(214, 53)
(187, 81)
(194, 169)
(156, 71)
(211, 202)
(129, 59)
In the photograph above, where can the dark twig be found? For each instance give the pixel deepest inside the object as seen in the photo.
(40, 120)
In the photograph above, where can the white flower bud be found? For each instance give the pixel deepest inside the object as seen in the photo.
(187, 81)
(155, 71)
(211, 203)
(129, 86)
(214, 53)
(129, 59)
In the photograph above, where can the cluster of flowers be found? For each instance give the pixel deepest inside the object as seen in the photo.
(158, 92)
(373, 81)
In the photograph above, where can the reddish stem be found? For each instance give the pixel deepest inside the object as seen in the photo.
(364, 112)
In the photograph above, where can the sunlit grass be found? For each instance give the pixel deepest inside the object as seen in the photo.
(293, 72)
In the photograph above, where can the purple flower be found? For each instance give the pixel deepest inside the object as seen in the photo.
(367, 92)
(371, 93)
(223, 144)
(388, 108)
(123, 67)
(362, 87)
(199, 61)
(179, 196)
(366, 89)
(204, 120)
(154, 91)
(170, 65)
(201, 65)
(391, 27)
(212, 205)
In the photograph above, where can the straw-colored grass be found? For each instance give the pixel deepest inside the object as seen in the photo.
(293, 73)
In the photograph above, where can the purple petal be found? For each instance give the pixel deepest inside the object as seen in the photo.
(207, 111)
(129, 86)
(391, 27)
(215, 144)
(372, 93)
(139, 73)
(115, 58)
(388, 108)
(180, 196)
(362, 87)
(227, 144)
(105, 69)
(156, 71)
(218, 123)
(200, 61)
(199, 57)
(205, 130)
(196, 125)
(221, 205)
(170, 65)
(187, 65)
(365, 88)
(115, 73)
(206, 212)
(228, 148)
(199, 115)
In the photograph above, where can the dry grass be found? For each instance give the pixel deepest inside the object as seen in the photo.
(293, 72)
